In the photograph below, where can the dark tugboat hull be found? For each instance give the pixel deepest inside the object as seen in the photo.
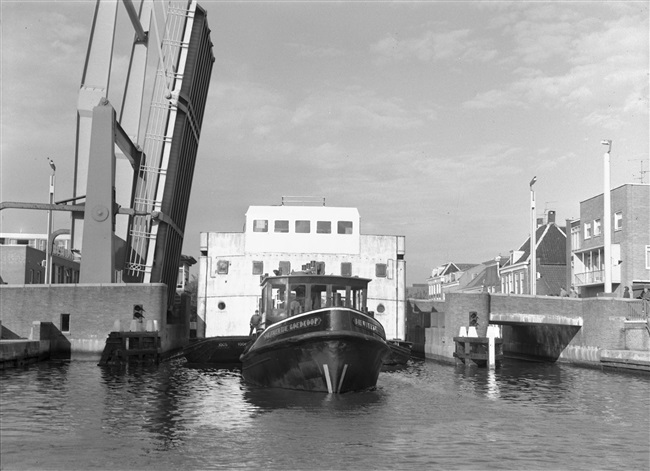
(332, 351)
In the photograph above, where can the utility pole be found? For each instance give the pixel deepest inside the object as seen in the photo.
(533, 242)
(607, 216)
(48, 248)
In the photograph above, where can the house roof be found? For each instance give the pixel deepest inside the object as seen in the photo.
(551, 246)
(488, 276)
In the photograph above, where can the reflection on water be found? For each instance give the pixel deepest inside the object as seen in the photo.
(75, 415)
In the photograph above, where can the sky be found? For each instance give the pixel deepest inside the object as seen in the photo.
(431, 118)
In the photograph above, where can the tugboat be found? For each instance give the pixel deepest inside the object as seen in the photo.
(317, 335)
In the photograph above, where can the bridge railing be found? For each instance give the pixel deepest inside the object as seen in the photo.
(638, 309)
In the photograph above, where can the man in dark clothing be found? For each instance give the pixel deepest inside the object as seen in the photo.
(255, 322)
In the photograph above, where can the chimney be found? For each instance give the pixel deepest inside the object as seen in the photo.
(551, 217)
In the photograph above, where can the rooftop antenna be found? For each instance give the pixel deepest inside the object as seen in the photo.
(642, 172)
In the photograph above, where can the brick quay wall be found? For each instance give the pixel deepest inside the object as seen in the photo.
(549, 328)
(89, 312)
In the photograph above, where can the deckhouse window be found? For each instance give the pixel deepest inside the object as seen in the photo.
(324, 227)
(345, 227)
(282, 226)
(260, 225)
(303, 227)
(222, 267)
(258, 268)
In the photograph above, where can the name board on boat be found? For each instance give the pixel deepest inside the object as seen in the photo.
(365, 324)
(301, 324)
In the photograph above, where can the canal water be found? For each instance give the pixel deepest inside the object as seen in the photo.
(429, 415)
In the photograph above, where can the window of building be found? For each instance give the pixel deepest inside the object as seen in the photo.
(180, 279)
(647, 257)
(65, 322)
(260, 225)
(587, 230)
(380, 270)
(346, 269)
(285, 268)
(222, 267)
(345, 227)
(282, 226)
(258, 268)
(596, 227)
(575, 237)
(390, 269)
(323, 227)
(303, 227)
(618, 221)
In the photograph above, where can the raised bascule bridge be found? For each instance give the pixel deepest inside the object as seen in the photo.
(132, 188)
(133, 173)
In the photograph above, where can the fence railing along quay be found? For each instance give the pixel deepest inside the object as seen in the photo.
(638, 309)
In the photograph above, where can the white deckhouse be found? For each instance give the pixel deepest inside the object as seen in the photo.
(291, 238)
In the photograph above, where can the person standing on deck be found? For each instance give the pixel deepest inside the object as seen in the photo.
(255, 322)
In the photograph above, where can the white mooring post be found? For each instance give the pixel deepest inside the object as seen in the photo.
(492, 334)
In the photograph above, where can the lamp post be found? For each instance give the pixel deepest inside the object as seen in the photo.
(48, 249)
(533, 253)
(607, 233)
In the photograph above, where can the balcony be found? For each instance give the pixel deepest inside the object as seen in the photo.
(596, 277)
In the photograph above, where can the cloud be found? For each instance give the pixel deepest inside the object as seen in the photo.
(433, 46)
(596, 68)
(314, 52)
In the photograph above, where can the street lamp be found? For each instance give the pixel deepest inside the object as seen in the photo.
(607, 234)
(48, 249)
(533, 253)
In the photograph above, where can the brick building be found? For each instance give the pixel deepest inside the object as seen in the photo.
(550, 250)
(630, 242)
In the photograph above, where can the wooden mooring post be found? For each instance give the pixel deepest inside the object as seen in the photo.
(481, 351)
(140, 348)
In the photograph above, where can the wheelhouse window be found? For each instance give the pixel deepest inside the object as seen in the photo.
(345, 227)
(618, 221)
(324, 227)
(303, 227)
(285, 297)
(260, 225)
(281, 226)
(346, 269)
(380, 270)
